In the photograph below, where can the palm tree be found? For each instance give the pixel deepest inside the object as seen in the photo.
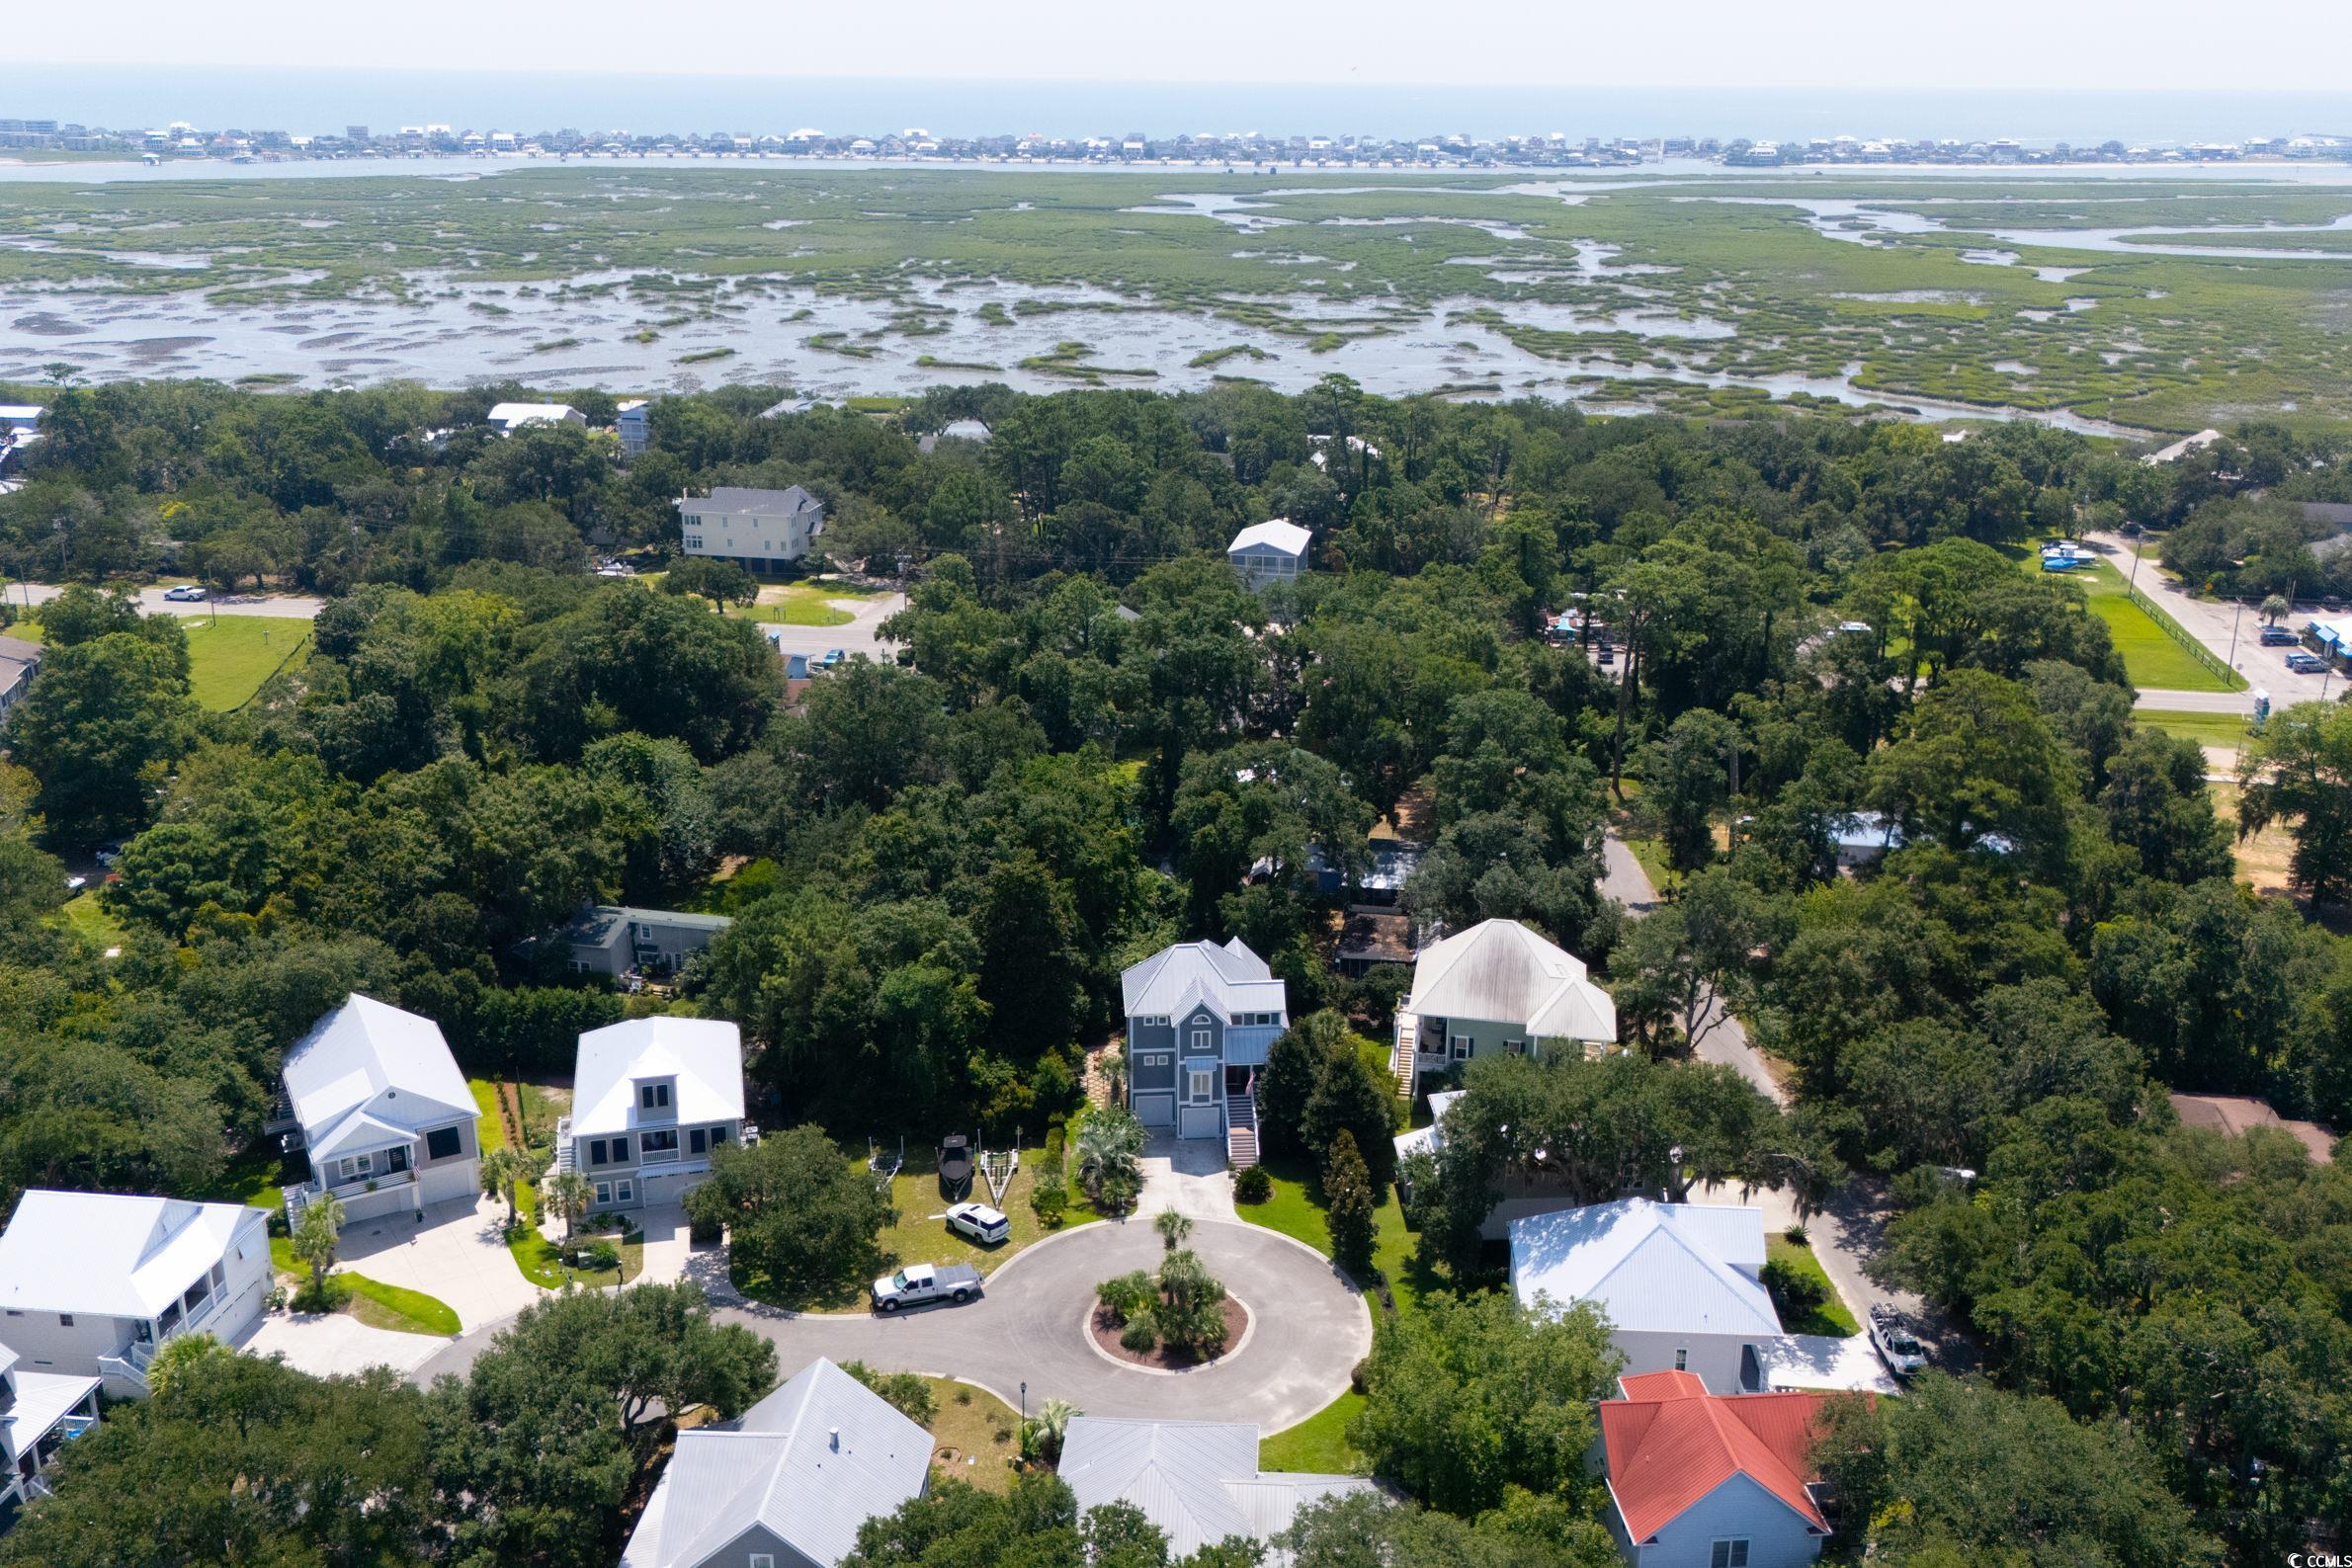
(570, 1196)
(1109, 1153)
(315, 1236)
(1049, 1426)
(2275, 610)
(1173, 1228)
(1112, 1064)
(503, 1170)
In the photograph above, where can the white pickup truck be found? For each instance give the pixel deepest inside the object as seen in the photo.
(919, 1283)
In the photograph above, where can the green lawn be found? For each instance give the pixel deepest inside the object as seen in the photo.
(1296, 1210)
(2206, 729)
(84, 912)
(541, 1261)
(1831, 1316)
(490, 1124)
(2151, 657)
(230, 656)
(981, 1428)
(388, 1307)
(799, 606)
(1319, 1443)
(251, 1177)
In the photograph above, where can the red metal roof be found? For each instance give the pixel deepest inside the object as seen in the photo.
(1669, 1443)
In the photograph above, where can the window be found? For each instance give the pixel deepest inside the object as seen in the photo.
(693, 542)
(442, 1143)
(694, 1141)
(1517, 1048)
(1682, 1358)
(622, 1192)
(619, 1151)
(1460, 1046)
(604, 1191)
(1201, 1084)
(658, 1142)
(354, 1166)
(718, 1136)
(64, 1319)
(761, 1559)
(1731, 1553)
(596, 1151)
(653, 1097)
(395, 1160)
(1200, 1041)
(219, 1277)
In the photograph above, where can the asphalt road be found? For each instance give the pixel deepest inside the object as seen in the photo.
(1308, 1330)
(2231, 633)
(289, 607)
(862, 634)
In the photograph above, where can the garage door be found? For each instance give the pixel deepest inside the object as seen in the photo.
(1202, 1122)
(1155, 1111)
(445, 1183)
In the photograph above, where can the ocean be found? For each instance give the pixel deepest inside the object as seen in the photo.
(307, 101)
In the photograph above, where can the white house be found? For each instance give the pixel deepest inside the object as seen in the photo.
(507, 418)
(761, 530)
(788, 1484)
(384, 1114)
(1697, 1480)
(1200, 1018)
(1497, 987)
(651, 1099)
(1269, 552)
(92, 1282)
(16, 417)
(40, 1413)
(1680, 1283)
(1199, 1481)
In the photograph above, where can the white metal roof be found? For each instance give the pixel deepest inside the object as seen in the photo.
(1500, 972)
(1278, 533)
(112, 1255)
(43, 1400)
(809, 1463)
(367, 1072)
(1174, 980)
(1197, 1480)
(513, 415)
(729, 500)
(1664, 1267)
(704, 1055)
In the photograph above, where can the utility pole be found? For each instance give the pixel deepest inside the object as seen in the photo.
(2237, 610)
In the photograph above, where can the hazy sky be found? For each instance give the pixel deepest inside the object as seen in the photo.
(2287, 45)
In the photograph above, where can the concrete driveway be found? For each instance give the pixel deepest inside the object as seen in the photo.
(1186, 1176)
(334, 1343)
(1308, 1330)
(458, 1253)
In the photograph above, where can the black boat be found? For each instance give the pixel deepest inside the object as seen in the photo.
(955, 1164)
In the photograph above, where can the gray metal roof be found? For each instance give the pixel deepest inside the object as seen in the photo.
(1500, 972)
(1664, 1267)
(738, 501)
(1197, 1480)
(1174, 980)
(808, 1464)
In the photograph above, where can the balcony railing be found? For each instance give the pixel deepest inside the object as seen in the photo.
(647, 1156)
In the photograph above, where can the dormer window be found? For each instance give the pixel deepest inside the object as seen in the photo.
(653, 1097)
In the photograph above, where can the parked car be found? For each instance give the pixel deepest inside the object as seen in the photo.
(1895, 1343)
(2305, 662)
(919, 1283)
(108, 855)
(186, 594)
(2278, 636)
(982, 1224)
(832, 657)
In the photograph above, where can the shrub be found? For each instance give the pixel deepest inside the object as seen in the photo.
(1127, 1297)
(1795, 1233)
(1253, 1184)
(903, 1392)
(1190, 1315)
(1141, 1335)
(1795, 1291)
(591, 1256)
(1055, 1144)
(704, 1232)
(1049, 1193)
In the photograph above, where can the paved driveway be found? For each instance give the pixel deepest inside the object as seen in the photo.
(335, 1344)
(1308, 1330)
(458, 1254)
(861, 635)
(287, 606)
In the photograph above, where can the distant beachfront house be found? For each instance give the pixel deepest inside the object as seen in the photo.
(1269, 552)
(507, 418)
(634, 421)
(761, 530)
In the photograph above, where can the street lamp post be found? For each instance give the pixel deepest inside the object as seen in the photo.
(1024, 1404)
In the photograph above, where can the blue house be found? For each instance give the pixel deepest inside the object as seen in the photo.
(1200, 1021)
